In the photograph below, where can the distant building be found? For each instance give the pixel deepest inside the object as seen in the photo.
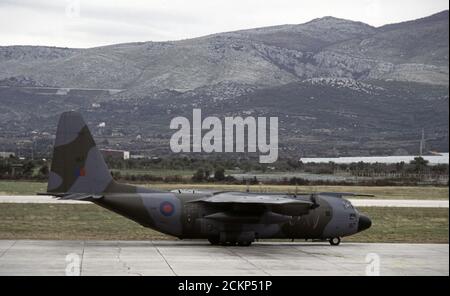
(16, 169)
(122, 154)
(116, 134)
(7, 154)
(137, 156)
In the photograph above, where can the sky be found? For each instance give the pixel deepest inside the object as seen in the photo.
(90, 23)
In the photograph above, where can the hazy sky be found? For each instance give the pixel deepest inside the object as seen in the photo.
(84, 23)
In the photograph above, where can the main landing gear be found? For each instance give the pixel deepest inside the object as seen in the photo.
(215, 241)
(335, 241)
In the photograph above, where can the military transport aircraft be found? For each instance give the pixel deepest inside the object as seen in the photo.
(79, 172)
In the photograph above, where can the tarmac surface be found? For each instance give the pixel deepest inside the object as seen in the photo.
(409, 203)
(25, 257)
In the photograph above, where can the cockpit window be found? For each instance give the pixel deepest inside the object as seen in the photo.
(347, 204)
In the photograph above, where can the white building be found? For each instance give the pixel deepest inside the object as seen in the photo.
(115, 153)
(7, 154)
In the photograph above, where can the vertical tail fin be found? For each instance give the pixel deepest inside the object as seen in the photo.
(77, 165)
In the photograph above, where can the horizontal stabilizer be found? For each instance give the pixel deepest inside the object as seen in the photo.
(73, 196)
(81, 196)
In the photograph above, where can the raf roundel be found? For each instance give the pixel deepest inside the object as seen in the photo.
(166, 208)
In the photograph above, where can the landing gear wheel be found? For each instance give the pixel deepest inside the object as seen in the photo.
(214, 241)
(335, 241)
(244, 244)
(228, 244)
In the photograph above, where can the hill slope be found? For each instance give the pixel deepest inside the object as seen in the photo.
(265, 57)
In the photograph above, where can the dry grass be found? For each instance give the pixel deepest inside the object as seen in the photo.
(78, 222)
(380, 192)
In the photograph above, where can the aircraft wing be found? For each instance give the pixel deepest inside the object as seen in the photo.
(253, 202)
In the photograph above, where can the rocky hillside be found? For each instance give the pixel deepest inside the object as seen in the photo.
(415, 51)
(338, 87)
(317, 117)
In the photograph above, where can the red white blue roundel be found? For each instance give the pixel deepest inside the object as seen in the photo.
(166, 208)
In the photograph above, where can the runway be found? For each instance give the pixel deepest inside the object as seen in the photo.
(406, 203)
(24, 257)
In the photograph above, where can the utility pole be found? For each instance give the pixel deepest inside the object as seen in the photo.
(422, 143)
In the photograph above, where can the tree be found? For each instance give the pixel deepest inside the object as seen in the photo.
(399, 167)
(419, 164)
(28, 168)
(199, 176)
(219, 174)
(43, 171)
(5, 168)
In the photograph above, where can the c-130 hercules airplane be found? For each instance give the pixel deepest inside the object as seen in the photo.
(79, 172)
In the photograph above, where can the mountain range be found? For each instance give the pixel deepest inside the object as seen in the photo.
(318, 61)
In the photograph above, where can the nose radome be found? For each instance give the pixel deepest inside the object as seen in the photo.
(364, 223)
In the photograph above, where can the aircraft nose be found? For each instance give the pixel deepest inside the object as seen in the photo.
(364, 223)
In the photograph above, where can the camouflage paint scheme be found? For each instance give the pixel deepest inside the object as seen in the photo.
(79, 172)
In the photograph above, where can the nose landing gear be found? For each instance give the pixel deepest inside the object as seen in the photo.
(335, 241)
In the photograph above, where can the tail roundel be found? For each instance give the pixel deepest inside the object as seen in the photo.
(77, 164)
